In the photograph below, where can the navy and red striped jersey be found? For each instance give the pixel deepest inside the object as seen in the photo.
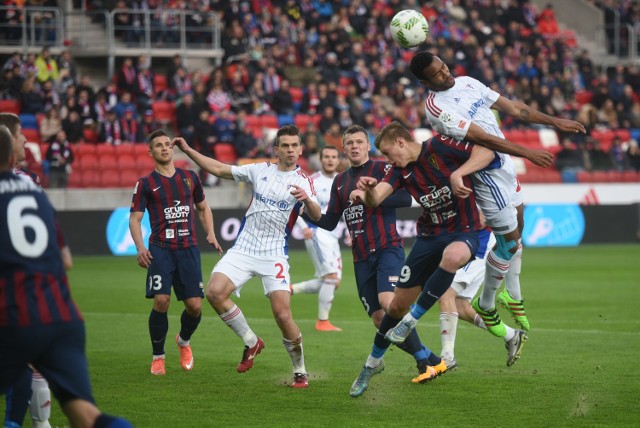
(427, 180)
(371, 229)
(33, 285)
(169, 201)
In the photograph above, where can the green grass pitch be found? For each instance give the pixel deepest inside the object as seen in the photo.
(577, 369)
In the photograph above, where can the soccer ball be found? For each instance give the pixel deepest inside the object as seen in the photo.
(409, 28)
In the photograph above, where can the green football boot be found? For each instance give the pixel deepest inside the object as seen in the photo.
(515, 307)
(491, 319)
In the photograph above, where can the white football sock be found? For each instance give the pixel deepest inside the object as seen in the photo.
(236, 321)
(294, 348)
(512, 278)
(493, 276)
(373, 362)
(479, 322)
(311, 286)
(448, 328)
(325, 298)
(510, 333)
(40, 405)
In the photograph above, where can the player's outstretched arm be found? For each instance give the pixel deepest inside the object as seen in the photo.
(206, 218)
(477, 135)
(480, 158)
(210, 165)
(135, 227)
(374, 192)
(523, 112)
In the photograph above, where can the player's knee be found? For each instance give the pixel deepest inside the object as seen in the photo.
(193, 307)
(397, 309)
(282, 317)
(505, 247)
(161, 303)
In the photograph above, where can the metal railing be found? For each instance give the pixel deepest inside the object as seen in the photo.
(618, 39)
(31, 27)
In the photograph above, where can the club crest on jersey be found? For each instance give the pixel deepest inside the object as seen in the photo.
(457, 100)
(462, 124)
(264, 179)
(433, 161)
(187, 181)
(387, 168)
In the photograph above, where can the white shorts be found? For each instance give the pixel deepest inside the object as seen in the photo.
(496, 194)
(324, 250)
(240, 268)
(470, 277)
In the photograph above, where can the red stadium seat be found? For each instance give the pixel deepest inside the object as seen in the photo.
(144, 163)
(90, 135)
(105, 149)
(225, 152)
(108, 160)
(90, 178)
(269, 121)
(160, 83)
(296, 94)
(164, 111)
(301, 120)
(10, 106)
(125, 149)
(84, 149)
(110, 178)
(75, 180)
(584, 177)
(623, 134)
(518, 136)
(630, 176)
(129, 177)
(126, 161)
(532, 137)
(32, 135)
(584, 97)
(87, 162)
(253, 120)
(344, 81)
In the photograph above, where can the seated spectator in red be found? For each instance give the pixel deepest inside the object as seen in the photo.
(60, 157)
(547, 24)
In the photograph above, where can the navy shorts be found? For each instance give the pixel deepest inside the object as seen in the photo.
(178, 268)
(426, 254)
(56, 350)
(378, 273)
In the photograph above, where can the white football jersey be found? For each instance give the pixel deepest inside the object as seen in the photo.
(267, 225)
(323, 184)
(451, 112)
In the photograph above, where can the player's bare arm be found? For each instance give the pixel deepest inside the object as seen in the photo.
(374, 192)
(477, 135)
(206, 218)
(310, 206)
(525, 113)
(480, 158)
(210, 165)
(135, 227)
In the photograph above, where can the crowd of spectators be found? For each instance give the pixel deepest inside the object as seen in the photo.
(334, 60)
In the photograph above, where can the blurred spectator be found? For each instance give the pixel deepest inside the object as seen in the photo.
(224, 127)
(333, 136)
(125, 104)
(126, 77)
(218, 99)
(100, 107)
(282, 102)
(569, 158)
(66, 69)
(72, 125)
(87, 113)
(50, 95)
(180, 83)
(14, 83)
(47, 66)
(599, 159)
(59, 157)
(633, 153)
(130, 128)
(203, 137)
(186, 116)
(50, 125)
(11, 17)
(110, 130)
(547, 24)
(144, 92)
(31, 100)
(618, 155)
(148, 125)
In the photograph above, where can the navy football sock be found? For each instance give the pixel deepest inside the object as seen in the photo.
(158, 327)
(188, 325)
(18, 397)
(437, 284)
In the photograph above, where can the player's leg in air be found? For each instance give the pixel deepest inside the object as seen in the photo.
(376, 279)
(511, 297)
